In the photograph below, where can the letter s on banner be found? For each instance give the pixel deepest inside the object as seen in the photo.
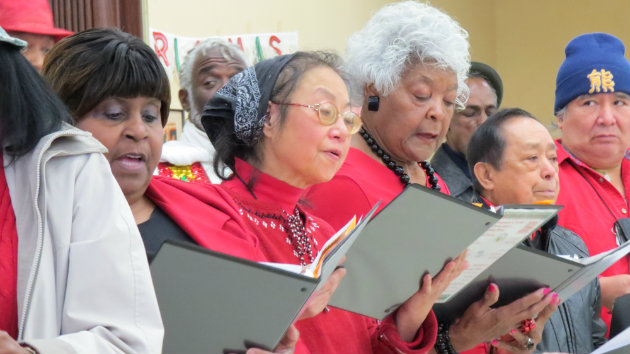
(160, 46)
(275, 39)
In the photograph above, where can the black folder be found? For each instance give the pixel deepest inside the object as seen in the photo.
(419, 231)
(523, 270)
(215, 303)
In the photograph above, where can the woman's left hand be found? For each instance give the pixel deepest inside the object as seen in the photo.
(517, 342)
(286, 345)
(413, 312)
(319, 301)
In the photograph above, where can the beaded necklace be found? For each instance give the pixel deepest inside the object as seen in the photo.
(291, 224)
(299, 239)
(399, 170)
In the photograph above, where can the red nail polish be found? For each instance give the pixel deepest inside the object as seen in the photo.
(554, 296)
(513, 331)
(495, 342)
(546, 291)
(492, 288)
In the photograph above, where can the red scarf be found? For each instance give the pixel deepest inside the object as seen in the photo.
(8, 259)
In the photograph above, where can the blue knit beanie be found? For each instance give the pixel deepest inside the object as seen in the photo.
(595, 63)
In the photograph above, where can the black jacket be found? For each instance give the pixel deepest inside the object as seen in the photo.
(459, 185)
(576, 326)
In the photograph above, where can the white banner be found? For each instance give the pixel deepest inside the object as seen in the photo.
(171, 49)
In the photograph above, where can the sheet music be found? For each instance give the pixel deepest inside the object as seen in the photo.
(515, 225)
(620, 341)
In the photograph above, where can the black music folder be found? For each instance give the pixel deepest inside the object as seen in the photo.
(419, 231)
(215, 303)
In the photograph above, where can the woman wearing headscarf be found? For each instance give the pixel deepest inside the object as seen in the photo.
(282, 126)
(74, 277)
(409, 63)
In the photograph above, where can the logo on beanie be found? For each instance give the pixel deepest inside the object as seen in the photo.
(601, 81)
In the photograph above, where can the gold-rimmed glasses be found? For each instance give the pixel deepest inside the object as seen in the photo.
(327, 114)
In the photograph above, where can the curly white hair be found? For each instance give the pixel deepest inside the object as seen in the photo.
(228, 50)
(402, 34)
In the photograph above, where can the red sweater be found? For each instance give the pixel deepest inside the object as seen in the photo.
(226, 216)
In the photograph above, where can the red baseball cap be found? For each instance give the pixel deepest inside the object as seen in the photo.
(30, 16)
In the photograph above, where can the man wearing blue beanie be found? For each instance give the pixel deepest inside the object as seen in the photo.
(593, 110)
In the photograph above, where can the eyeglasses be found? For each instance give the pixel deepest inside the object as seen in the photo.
(328, 113)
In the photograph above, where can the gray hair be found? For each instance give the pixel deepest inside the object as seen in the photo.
(561, 113)
(402, 34)
(228, 50)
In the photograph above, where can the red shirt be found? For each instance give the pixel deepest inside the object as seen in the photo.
(8, 260)
(228, 215)
(588, 215)
(360, 183)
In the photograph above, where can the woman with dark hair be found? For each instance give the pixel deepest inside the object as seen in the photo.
(282, 126)
(105, 76)
(74, 277)
(116, 88)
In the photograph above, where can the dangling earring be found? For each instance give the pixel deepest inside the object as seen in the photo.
(373, 103)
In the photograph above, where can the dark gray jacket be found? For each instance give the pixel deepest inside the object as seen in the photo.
(459, 185)
(575, 327)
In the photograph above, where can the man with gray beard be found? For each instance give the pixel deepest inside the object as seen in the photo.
(206, 68)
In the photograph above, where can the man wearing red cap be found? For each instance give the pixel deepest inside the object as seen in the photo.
(31, 21)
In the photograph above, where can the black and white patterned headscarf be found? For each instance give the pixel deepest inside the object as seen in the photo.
(244, 99)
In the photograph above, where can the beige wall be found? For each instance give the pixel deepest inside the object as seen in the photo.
(322, 24)
(523, 40)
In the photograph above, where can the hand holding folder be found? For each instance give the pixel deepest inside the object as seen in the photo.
(415, 309)
(212, 302)
(286, 345)
(319, 300)
(515, 341)
(417, 232)
(483, 322)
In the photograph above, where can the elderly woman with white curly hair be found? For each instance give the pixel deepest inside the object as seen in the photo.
(409, 63)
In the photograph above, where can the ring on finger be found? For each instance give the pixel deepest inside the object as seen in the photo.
(530, 344)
